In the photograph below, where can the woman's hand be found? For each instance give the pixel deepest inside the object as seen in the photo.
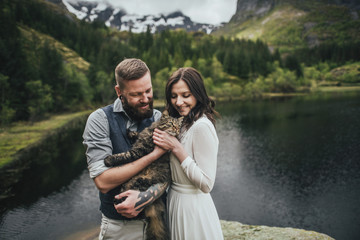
(164, 140)
(169, 143)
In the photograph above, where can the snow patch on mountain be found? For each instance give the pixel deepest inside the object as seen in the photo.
(79, 14)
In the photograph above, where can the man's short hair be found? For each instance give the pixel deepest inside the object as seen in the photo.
(130, 69)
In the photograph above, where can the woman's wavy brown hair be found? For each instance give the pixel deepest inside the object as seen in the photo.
(205, 105)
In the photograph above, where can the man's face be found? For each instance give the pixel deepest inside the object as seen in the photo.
(137, 98)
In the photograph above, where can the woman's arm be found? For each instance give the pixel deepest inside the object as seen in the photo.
(202, 171)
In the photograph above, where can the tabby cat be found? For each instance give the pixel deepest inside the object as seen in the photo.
(156, 172)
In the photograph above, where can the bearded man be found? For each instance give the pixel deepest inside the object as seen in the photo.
(106, 134)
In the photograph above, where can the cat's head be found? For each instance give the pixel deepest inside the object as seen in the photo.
(169, 124)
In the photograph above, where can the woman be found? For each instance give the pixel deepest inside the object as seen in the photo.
(191, 211)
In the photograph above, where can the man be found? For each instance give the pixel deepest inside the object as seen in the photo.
(105, 134)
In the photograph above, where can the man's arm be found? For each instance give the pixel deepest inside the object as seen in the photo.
(136, 201)
(116, 176)
(97, 140)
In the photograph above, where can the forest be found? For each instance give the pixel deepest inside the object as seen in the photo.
(37, 80)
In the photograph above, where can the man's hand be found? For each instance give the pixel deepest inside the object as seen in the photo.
(132, 205)
(135, 201)
(158, 151)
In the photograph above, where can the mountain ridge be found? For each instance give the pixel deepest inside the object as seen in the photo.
(118, 18)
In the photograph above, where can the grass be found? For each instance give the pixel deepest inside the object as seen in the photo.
(338, 89)
(23, 134)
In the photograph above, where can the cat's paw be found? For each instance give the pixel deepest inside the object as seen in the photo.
(110, 161)
(133, 134)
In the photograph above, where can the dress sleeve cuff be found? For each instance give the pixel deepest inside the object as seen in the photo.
(188, 160)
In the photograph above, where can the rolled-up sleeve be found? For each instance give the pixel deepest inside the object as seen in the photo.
(97, 141)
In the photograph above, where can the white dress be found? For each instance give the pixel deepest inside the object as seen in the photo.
(191, 211)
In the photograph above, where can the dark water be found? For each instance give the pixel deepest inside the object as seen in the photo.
(285, 163)
(54, 197)
(291, 163)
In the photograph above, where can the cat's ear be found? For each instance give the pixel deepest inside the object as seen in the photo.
(165, 112)
(180, 119)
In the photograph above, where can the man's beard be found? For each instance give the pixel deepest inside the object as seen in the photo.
(134, 113)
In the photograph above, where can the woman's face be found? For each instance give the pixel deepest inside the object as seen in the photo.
(181, 98)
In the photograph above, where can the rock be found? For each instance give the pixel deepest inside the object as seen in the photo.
(235, 230)
(247, 9)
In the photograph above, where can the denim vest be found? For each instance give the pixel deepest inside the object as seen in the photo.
(120, 143)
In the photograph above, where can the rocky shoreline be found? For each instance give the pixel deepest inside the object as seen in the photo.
(235, 230)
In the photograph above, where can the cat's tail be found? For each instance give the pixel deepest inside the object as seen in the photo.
(156, 228)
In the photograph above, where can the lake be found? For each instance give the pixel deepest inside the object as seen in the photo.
(286, 162)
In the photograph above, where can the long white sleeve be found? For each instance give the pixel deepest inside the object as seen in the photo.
(201, 169)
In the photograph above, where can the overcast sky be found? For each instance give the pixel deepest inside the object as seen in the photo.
(201, 11)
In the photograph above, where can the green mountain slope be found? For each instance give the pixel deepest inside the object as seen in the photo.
(298, 24)
(69, 56)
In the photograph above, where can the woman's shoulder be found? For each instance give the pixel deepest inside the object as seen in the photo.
(203, 128)
(204, 119)
(203, 122)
